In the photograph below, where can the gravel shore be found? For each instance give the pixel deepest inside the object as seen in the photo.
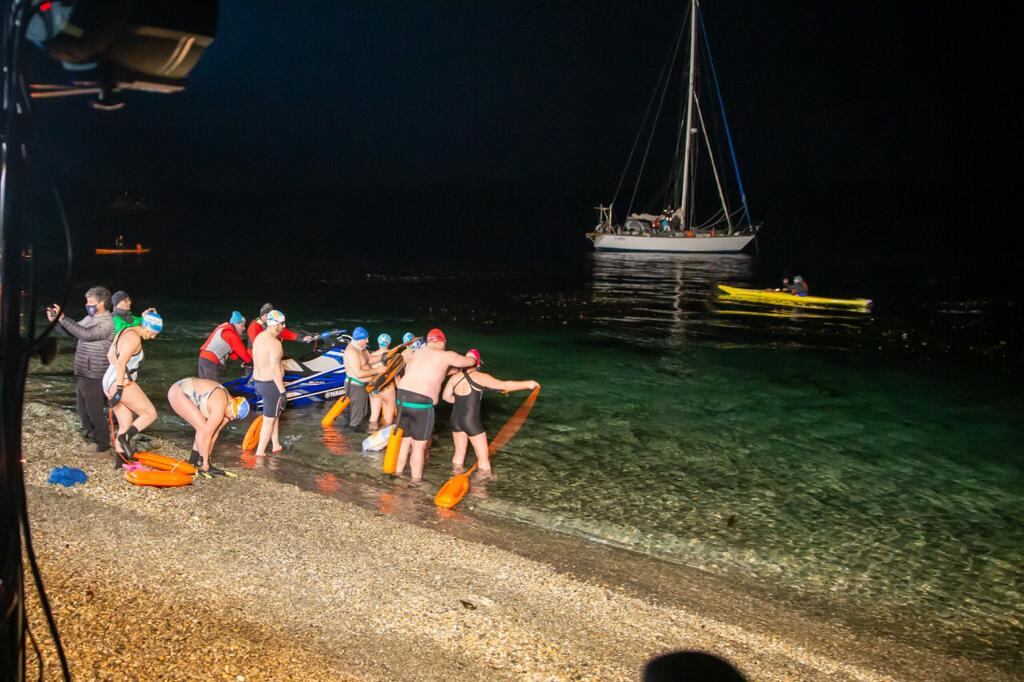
(251, 579)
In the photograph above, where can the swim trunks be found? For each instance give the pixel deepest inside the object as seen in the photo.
(359, 401)
(415, 415)
(273, 399)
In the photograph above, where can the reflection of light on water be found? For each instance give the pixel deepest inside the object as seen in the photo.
(386, 503)
(327, 483)
(335, 441)
(666, 292)
(249, 460)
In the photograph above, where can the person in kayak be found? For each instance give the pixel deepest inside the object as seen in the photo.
(207, 407)
(224, 342)
(357, 372)
(260, 324)
(465, 390)
(268, 380)
(382, 401)
(798, 287)
(418, 391)
(122, 311)
(125, 396)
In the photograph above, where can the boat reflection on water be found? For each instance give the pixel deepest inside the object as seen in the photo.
(658, 293)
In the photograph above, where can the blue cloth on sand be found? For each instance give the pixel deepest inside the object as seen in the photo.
(67, 476)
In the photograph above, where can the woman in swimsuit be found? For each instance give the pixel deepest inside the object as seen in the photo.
(465, 389)
(207, 407)
(382, 402)
(125, 396)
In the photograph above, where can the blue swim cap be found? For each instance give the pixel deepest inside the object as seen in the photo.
(419, 344)
(236, 317)
(384, 340)
(152, 321)
(407, 337)
(360, 333)
(238, 408)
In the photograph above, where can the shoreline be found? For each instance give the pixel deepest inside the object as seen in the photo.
(257, 578)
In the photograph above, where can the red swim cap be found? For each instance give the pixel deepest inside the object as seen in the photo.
(436, 334)
(474, 353)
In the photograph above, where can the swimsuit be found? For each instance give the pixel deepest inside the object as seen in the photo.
(131, 371)
(466, 411)
(200, 400)
(415, 415)
(273, 399)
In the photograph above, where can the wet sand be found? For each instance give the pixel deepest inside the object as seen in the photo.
(253, 579)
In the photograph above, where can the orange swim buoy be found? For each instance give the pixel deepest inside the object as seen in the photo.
(252, 436)
(158, 479)
(165, 463)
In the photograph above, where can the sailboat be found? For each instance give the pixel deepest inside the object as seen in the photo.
(679, 228)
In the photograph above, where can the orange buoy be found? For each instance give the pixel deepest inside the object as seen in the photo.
(391, 454)
(454, 490)
(165, 463)
(158, 479)
(252, 436)
(336, 409)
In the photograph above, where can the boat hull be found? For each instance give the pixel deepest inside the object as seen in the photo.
(648, 244)
(768, 297)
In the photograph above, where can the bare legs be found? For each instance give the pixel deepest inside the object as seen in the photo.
(269, 434)
(479, 443)
(133, 402)
(415, 452)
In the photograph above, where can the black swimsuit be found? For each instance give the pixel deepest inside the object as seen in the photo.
(466, 412)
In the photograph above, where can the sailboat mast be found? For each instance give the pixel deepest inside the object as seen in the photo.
(683, 208)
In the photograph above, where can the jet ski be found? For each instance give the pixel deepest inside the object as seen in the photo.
(314, 378)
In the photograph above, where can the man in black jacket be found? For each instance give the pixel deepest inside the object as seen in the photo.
(94, 332)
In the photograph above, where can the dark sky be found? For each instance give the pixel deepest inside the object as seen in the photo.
(895, 111)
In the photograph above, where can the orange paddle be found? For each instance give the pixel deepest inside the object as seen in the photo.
(457, 486)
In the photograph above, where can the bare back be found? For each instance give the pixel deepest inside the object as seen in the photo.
(267, 353)
(427, 369)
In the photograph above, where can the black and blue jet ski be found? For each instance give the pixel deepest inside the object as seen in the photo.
(314, 378)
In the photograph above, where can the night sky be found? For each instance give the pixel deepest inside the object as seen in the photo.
(463, 121)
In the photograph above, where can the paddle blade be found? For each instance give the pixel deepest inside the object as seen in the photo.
(452, 491)
(514, 422)
(391, 454)
(336, 409)
(252, 436)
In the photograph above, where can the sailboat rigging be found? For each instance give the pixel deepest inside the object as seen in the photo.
(678, 229)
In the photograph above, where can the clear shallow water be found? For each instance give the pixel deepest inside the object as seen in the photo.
(780, 449)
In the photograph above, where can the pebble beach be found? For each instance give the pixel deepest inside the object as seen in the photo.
(253, 579)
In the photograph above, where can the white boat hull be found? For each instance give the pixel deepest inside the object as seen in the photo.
(695, 244)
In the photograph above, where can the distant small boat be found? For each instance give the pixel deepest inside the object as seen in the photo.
(138, 250)
(771, 297)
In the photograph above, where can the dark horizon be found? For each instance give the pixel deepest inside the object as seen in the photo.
(461, 126)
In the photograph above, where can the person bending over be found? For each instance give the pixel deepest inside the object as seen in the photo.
(207, 407)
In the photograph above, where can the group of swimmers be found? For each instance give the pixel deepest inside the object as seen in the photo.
(428, 372)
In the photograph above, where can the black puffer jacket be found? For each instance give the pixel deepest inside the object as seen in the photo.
(94, 334)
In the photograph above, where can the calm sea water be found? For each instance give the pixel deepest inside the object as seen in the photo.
(864, 467)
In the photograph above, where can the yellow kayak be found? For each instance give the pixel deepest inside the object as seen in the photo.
(783, 298)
